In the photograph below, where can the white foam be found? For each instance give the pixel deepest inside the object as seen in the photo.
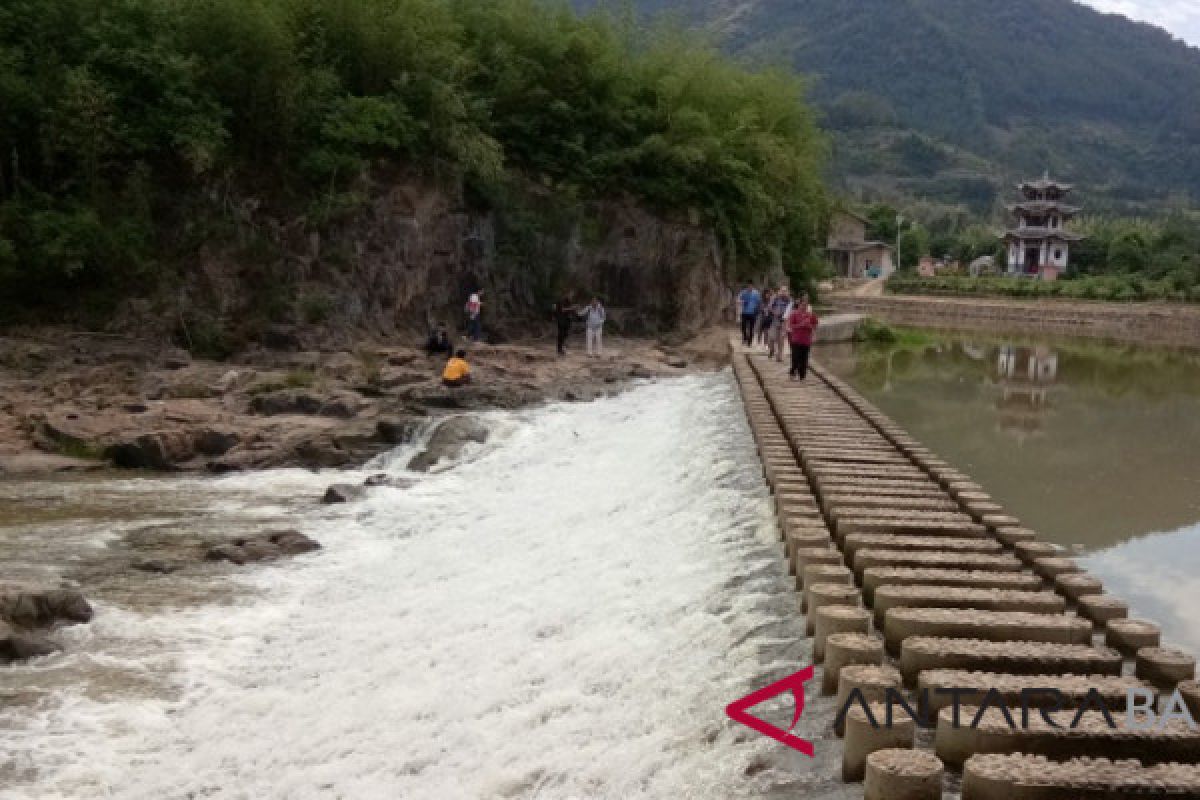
(558, 616)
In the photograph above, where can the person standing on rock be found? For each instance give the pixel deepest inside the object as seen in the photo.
(781, 306)
(474, 308)
(564, 312)
(595, 315)
(457, 371)
(749, 301)
(801, 325)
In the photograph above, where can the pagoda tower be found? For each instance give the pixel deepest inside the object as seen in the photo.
(1039, 245)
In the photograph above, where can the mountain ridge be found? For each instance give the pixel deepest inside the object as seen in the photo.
(1027, 86)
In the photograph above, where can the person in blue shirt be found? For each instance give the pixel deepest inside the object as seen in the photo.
(749, 301)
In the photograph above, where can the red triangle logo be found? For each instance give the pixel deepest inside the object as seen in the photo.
(793, 683)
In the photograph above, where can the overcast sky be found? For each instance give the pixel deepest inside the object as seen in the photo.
(1180, 17)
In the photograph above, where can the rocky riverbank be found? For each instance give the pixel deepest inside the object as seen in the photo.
(75, 401)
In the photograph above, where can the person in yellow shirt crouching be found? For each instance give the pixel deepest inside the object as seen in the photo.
(457, 371)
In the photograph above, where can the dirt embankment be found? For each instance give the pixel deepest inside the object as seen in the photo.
(74, 401)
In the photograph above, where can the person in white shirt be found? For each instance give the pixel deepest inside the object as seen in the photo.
(594, 313)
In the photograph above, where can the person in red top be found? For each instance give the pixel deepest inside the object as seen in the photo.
(801, 325)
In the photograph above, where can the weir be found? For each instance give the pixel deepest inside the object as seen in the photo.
(912, 576)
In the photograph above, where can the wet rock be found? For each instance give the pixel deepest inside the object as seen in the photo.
(18, 645)
(390, 481)
(396, 430)
(342, 493)
(448, 441)
(260, 550)
(135, 408)
(155, 566)
(161, 451)
(676, 361)
(226, 552)
(264, 547)
(293, 542)
(215, 442)
(41, 608)
(638, 371)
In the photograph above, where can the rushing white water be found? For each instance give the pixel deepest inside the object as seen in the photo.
(564, 614)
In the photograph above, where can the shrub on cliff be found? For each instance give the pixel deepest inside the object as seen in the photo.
(132, 130)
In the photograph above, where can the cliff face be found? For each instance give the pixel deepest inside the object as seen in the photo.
(412, 255)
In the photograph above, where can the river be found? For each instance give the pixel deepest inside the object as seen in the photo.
(1094, 445)
(563, 613)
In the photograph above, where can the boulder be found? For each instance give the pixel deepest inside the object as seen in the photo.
(342, 405)
(286, 401)
(216, 442)
(161, 450)
(676, 361)
(263, 547)
(292, 543)
(17, 646)
(342, 493)
(391, 481)
(41, 608)
(396, 430)
(155, 566)
(226, 552)
(448, 441)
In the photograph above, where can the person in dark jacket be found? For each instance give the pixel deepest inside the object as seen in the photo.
(439, 342)
(564, 312)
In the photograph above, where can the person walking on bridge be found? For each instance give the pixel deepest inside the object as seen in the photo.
(749, 301)
(801, 325)
(781, 306)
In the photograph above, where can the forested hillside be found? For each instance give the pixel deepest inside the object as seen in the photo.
(141, 140)
(954, 99)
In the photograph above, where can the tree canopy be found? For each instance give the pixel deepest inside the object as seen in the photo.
(126, 126)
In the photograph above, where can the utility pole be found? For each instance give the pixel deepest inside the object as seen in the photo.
(899, 225)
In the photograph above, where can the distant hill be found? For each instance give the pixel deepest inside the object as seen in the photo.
(952, 100)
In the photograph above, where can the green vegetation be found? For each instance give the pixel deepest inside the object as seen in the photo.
(137, 134)
(951, 102)
(1122, 260)
(879, 332)
(1112, 288)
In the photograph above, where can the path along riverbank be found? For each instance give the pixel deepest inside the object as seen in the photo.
(911, 577)
(1138, 323)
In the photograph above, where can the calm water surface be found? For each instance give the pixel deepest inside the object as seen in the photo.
(1095, 446)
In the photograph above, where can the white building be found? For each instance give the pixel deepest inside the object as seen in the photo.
(1040, 245)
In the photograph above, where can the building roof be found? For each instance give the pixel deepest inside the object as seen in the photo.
(858, 248)
(1043, 206)
(1044, 183)
(860, 217)
(1043, 233)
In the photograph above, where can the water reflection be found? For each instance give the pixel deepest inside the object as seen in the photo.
(1091, 444)
(1026, 375)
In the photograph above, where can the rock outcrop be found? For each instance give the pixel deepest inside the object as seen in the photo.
(448, 441)
(264, 547)
(27, 613)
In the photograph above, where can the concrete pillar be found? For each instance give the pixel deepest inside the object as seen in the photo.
(845, 650)
(837, 619)
(903, 775)
(866, 735)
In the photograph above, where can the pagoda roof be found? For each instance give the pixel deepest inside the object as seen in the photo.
(1043, 206)
(1043, 233)
(1044, 183)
